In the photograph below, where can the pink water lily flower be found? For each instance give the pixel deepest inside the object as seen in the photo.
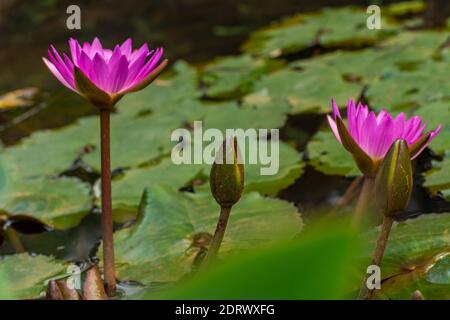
(368, 136)
(101, 75)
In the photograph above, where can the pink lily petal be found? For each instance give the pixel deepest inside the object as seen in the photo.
(57, 74)
(375, 133)
(334, 128)
(126, 47)
(112, 71)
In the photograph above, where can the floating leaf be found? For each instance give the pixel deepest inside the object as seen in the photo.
(344, 27)
(290, 167)
(59, 203)
(327, 155)
(135, 141)
(404, 52)
(407, 7)
(127, 190)
(308, 91)
(438, 179)
(229, 115)
(404, 90)
(416, 258)
(164, 94)
(25, 275)
(234, 76)
(50, 152)
(161, 246)
(436, 113)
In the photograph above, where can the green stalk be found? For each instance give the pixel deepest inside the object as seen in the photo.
(366, 293)
(107, 221)
(218, 234)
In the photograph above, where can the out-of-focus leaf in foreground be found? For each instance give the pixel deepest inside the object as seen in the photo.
(319, 264)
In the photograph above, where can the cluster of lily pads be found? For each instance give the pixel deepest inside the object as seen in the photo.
(288, 70)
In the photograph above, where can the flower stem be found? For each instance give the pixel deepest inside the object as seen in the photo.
(366, 293)
(364, 196)
(13, 237)
(218, 234)
(107, 222)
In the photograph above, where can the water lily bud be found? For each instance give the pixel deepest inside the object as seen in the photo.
(227, 177)
(394, 181)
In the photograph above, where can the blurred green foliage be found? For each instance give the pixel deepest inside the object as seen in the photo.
(319, 264)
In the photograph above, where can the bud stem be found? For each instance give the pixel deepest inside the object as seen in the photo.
(364, 196)
(382, 241)
(218, 234)
(107, 222)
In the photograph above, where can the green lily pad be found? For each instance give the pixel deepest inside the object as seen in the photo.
(438, 178)
(404, 90)
(57, 202)
(127, 190)
(406, 51)
(25, 275)
(290, 168)
(416, 258)
(50, 152)
(341, 27)
(135, 141)
(160, 246)
(436, 113)
(407, 7)
(308, 91)
(327, 155)
(165, 94)
(233, 76)
(229, 115)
